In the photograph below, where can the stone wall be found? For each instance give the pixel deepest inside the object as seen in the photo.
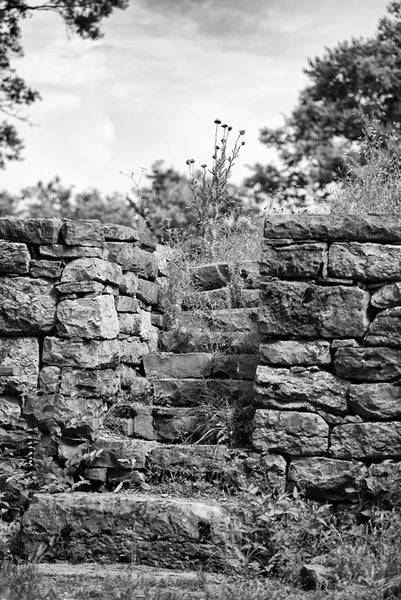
(80, 307)
(327, 391)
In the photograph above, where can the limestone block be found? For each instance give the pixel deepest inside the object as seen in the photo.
(157, 319)
(49, 380)
(185, 339)
(82, 415)
(383, 480)
(368, 364)
(122, 452)
(148, 291)
(143, 423)
(299, 309)
(235, 366)
(132, 258)
(294, 260)
(249, 271)
(50, 269)
(365, 262)
(237, 319)
(14, 258)
(361, 228)
(126, 304)
(385, 329)
(27, 306)
(80, 287)
(88, 318)
(172, 424)
(10, 410)
(294, 433)
(83, 233)
(376, 401)
(295, 389)
(91, 354)
(128, 376)
(92, 269)
(139, 324)
(192, 392)
(33, 231)
(210, 277)
(23, 355)
(104, 384)
(128, 284)
(372, 440)
(387, 296)
(120, 233)
(186, 460)
(292, 352)
(132, 350)
(178, 366)
(69, 252)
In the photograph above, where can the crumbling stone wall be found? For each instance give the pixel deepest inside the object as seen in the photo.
(327, 391)
(80, 306)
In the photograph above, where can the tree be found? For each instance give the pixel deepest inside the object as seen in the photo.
(82, 17)
(355, 83)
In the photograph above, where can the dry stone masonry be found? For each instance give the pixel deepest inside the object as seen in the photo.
(327, 390)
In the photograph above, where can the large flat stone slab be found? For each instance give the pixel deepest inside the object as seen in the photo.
(88, 318)
(210, 277)
(178, 366)
(297, 389)
(111, 527)
(92, 269)
(34, 231)
(368, 364)
(289, 432)
(372, 440)
(365, 262)
(91, 354)
(22, 354)
(385, 329)
(286, 353)
(304, 310)
(293, 260)
(82, 233)
(27, 306)
(376, 401)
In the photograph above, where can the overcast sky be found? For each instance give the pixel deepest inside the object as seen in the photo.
(152, 87)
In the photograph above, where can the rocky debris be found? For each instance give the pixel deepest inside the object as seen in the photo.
(374, 440)
(365, 262)
(304, 310)
(376, 401)
(387, 296)
(83, 233)
(293, 260)
(30, 231)
(368, 364)
(295, 389)
(91, 354)
(289, 432)
(117, 527)
(28, 306)
(92, 269)
(70, 252)
(50, 269)
(22, 354)
(88, 318)
(385, 329)
(292, 352)
(192, 392)
(14, 258)
(327, 479)
(120, 233)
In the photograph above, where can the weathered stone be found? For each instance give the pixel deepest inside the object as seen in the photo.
(115, 527)
(104, 384)
(385, 329)
(361, 228)
(51, 269)
(128, 376)
(178, 366)
(132, 350)
(49, 380)
(235, 366)
(69, 252)
(368, 364)
(245, 298)
(209, 300)
(376, 401)
(124, 452)
(146, 239)
(89, 318)
(365, 262)
(197, 340)
(190, 392)
(128, 284)
(291, 352)
(211, 277)
(306, 310)
(126, 304)
(237, 319)
(80, 287)
(383, 479)
(317, 576)
(28, 306)
(188, 460)
(249, 271)
(326, 478)
(132, 258)
(157, 320)
(143, 423)
(92, 269)
(344, 344)
(23, 355)
(294, 433)
(120, 233)
(10, 410)
(136, 324)
(97, 474)
(91, 354)
(287, 389)
(366, 440)
(172, 424)
(387, 296)
(14, 258)
(34, 231)
(83, 233)
(148, 292)
(295, 260)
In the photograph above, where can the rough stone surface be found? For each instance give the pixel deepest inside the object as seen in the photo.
(73, 412)
(120, 233)
(290, 389)
(235, 366)
(148, 292)
(93, 354)
(115, 527)
(387, 296)
(376, 401)
(122, 452)
(366, 440)
(132, 258)
(190, 392)
(128, 284)
(326, 478)
(295, 260)
(88, 318)
(126, 304)
(14, 258)
(209, 300)
(23, 355)
(133, 350)
(249, 271)
(211, 277)
(385, 329)
(83, 233)
(383, 480)
(51, 269)
(10, 410)
(80, 287)
(178, 366)
(28, 306)
(34, 231)
(292, 352)
(368, 364)
(92, 269)
(305, 310)
(139, 324)
(104, 384)
(193, 340)
(365, 262)
(68, 252)
(236, 319)
(290, 432)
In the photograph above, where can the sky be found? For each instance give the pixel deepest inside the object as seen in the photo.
(152, 87)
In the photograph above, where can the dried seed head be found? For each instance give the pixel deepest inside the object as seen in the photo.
(224, 126)
(217, 121)
(242, 132)
(242, 143)
(203, 166)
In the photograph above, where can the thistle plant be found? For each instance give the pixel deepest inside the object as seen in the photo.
(211, 197)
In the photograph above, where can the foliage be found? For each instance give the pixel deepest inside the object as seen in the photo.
(352, 82)
(82, 17)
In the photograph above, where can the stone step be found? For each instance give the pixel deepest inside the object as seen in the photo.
(127, 528)
(198, 365)
(192, 392)
(225, 320)
(190, 339)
